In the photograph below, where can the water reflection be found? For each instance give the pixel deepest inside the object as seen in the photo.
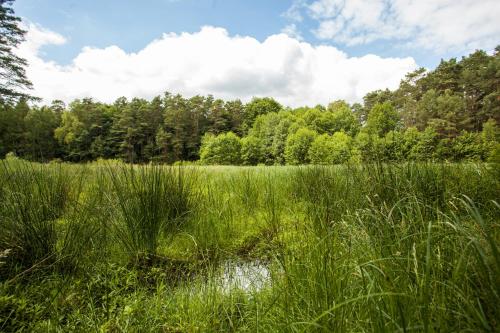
(247, 276)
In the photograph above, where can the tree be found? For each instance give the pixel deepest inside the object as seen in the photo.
(371, 99)
(252, 150)
(40, 142)
(12, 128)
(468, 146)
(264, 128)
(425, 147)
(297, 146)
(382, 119)
(223, 149)
(490, 134)
(411, 137)
(343, 118)
(335, 149)
(393, 146)
(13, 80)
(219, 118)
(369, 146)
(280, 137)
(451, 109)
(258, 107)
(85, 122)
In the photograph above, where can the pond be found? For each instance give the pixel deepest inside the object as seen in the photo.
(248, 276)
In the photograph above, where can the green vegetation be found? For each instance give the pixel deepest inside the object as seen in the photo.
(395, 226)
(373, 247)
(13, 78)
(449, 114)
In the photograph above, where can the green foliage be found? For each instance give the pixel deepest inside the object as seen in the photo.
(425, 147)
(297, 146)
(343, 119)
(382, 119)
(335, 149)
(456, 97)
(279, 140)
(490, 137)
(40, 125)
(258, 107)
(252, 150)
(264, 128)
(468, 147)
(223, 149)
(369, 146)
(84, 123)
(13, 79)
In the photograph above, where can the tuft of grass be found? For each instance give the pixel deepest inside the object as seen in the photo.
(151, 202)
(34, 200)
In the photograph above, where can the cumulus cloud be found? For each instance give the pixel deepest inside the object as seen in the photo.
(440, 25)
(211, 61)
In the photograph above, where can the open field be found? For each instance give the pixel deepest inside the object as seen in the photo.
(109, 247)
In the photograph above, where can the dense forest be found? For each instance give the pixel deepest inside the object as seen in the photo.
(449, 113)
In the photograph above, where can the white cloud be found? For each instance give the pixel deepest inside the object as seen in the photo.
(294, 13)
(441, 25)
(36, 37)
(291, 31)
(212, 62)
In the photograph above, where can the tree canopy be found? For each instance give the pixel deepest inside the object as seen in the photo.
(451, 113)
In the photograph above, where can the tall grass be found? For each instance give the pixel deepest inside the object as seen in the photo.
(33, 225)
(358, 248)
(151, 202)
(404, 251)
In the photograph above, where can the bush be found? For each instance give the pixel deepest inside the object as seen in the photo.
(223, 149)
(468, 147)
(334, 149)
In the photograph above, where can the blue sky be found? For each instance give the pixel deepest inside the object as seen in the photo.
(133, 24)
(401, 34)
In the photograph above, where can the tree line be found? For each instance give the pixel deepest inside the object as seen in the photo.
(450, 113)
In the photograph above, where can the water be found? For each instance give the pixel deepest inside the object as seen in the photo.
(247, 276)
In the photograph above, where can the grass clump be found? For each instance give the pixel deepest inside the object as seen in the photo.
(151, 202)
(40, 218)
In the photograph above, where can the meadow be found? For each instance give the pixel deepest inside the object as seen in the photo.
(110, 247)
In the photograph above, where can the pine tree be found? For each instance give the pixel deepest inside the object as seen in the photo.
(13, 80)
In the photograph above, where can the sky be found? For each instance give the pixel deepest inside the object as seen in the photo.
(301, 52)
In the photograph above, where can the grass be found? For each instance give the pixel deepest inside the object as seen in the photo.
(354, 248)
(149, 202)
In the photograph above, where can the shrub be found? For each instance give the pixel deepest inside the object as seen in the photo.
(223, 149)
(334, 149)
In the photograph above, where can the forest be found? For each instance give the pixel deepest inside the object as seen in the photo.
(450, 113)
